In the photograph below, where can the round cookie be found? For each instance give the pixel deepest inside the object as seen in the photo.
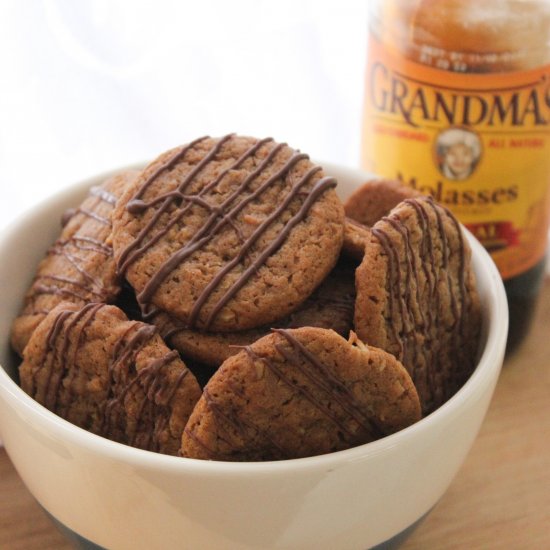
(417, 297)
(79, 267)
(330, 306)
(297, 393)
(375, 198)
(113, 377)
(228, 234)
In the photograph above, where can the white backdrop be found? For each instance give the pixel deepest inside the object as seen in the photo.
(86, 86)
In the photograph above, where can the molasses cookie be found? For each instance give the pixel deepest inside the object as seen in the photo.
(297, 393)
(375, 198)
(113, 377)
(330, 306)
(228, 234)
(417, 298)
(79, 267)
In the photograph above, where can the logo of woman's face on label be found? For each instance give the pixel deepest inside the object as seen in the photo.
(457, 153)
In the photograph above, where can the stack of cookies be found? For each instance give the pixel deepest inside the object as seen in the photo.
(224, 304)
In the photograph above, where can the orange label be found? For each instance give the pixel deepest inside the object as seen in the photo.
(478, 143)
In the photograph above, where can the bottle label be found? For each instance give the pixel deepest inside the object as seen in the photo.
(478, 143)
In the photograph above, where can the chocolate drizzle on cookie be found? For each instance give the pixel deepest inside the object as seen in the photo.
(320, 187)
(212, 224)
(301, 390)
(90, 244)
(126, 403)
(395, 302)
(170, 208)
(78, 267)
(323, 378)
(85, 282)
(440, 281)
(55, 360)
(149, 384)
(95, 191)
(296, 393)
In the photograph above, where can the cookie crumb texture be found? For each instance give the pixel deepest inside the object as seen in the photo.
(113, 377)
(297, 393)
(417, 297)
(228, 234)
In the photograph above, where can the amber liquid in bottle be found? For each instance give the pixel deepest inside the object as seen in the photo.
(522, 292)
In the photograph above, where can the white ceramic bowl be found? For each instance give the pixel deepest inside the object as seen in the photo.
(120, 497)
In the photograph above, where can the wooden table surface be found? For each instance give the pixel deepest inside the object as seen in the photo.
(499, 499)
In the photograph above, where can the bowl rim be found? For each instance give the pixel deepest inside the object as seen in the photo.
(487, 369)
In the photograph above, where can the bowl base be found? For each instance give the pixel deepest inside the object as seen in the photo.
(81, 543)
(397, 540)
(78, 542)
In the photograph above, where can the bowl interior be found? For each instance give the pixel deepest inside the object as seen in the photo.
(25, 241)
